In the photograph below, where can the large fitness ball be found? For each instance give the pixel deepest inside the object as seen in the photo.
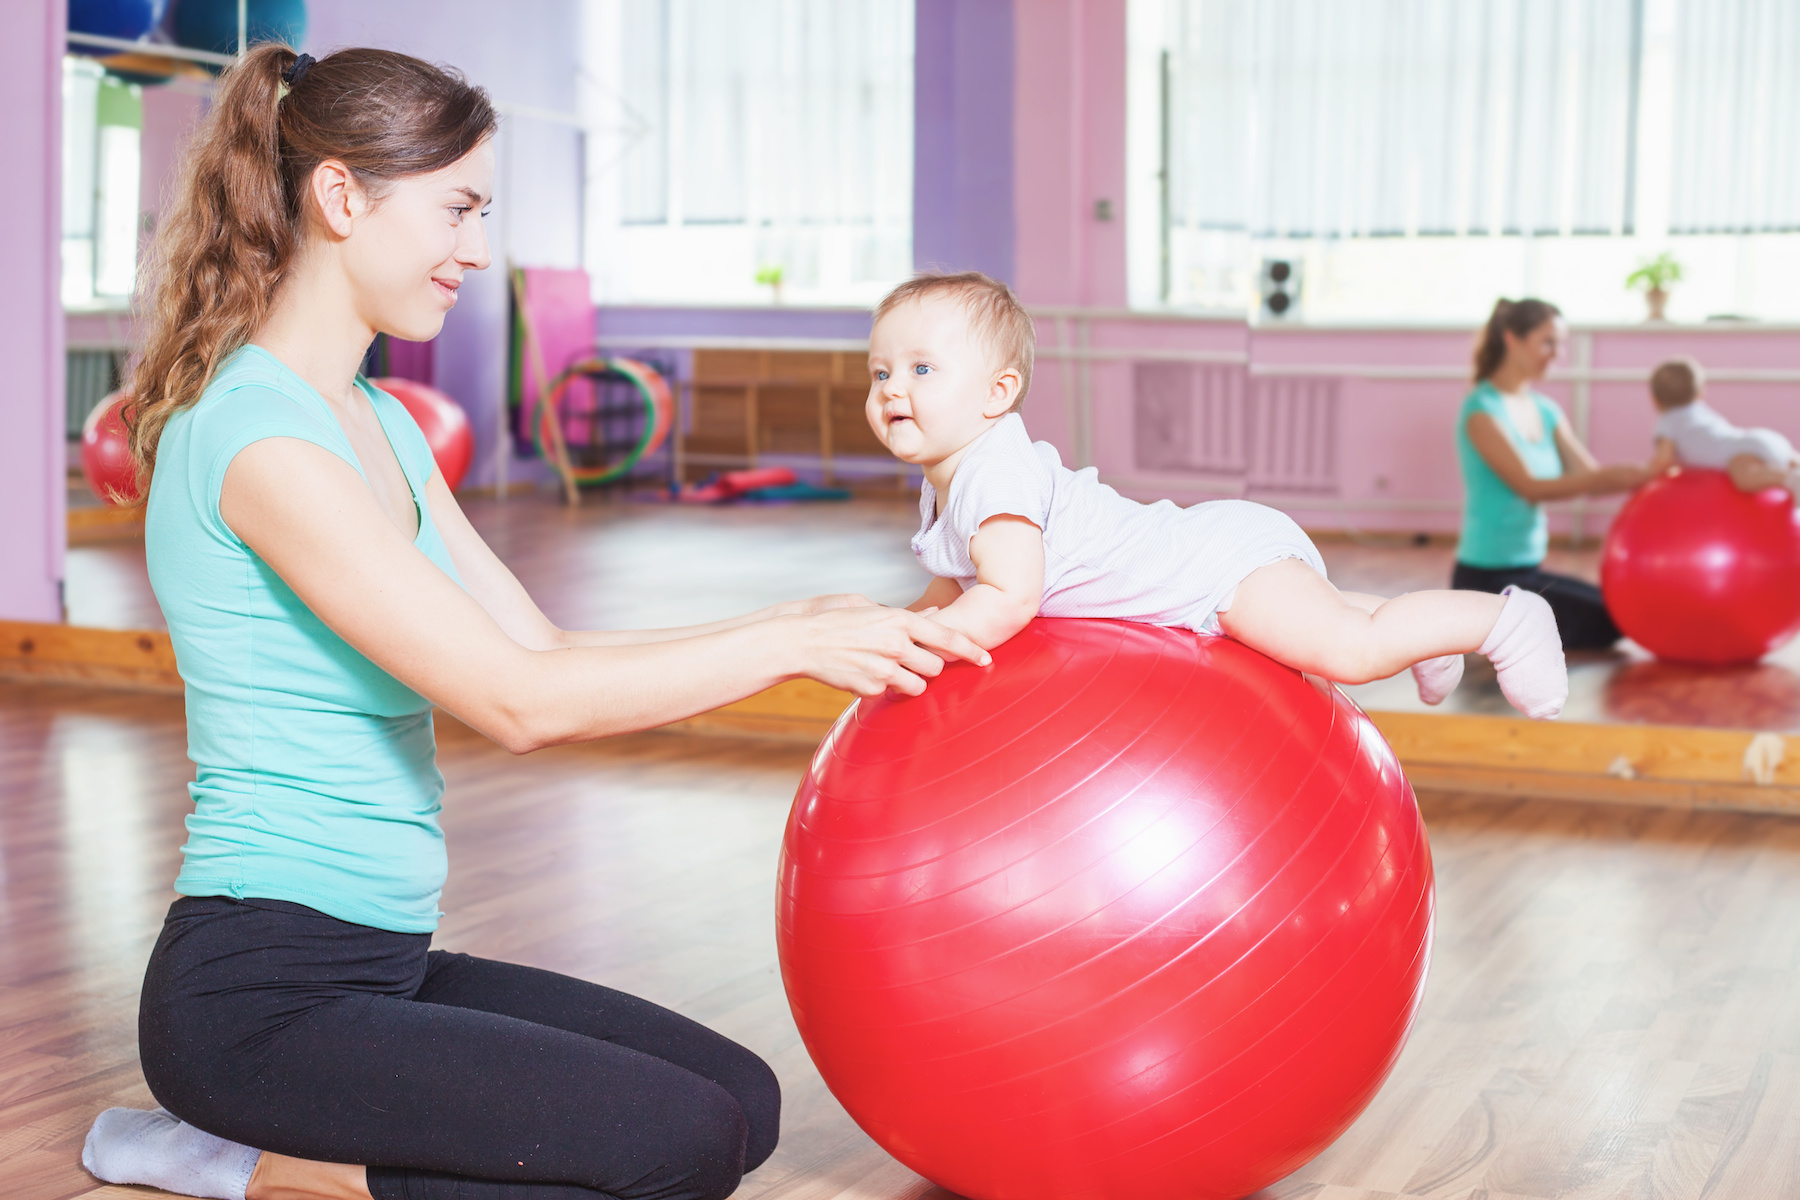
(443, 422)
(1697, 571)
(127, 19)
(1131, 914)
(106, 461)
(213, 24)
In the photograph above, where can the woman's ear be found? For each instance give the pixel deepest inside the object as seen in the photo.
(1003, 394)
(340, 200)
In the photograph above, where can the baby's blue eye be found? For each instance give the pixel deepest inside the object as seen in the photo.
(921, 369)
(880, 375)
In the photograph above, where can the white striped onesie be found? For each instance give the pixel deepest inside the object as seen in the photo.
(1104, 555)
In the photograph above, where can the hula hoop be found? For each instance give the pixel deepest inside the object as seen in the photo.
(659, 416)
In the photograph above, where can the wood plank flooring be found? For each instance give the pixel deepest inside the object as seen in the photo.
(1614, 1008)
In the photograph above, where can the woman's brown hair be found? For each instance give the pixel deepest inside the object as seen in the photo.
(1518, 317)
(238, 212)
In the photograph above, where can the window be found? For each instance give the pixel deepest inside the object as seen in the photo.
(738, 139)
(103, 120)
(1418, 158)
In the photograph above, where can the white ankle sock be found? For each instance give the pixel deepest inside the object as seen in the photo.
(1527, 654)
(1438, 677)
(130, 1145)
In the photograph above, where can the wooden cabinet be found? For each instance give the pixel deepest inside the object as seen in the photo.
(803, 407)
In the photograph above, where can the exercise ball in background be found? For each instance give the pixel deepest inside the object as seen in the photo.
(1696, 571)
(213, 24)
(106, 461)
(127, 19)
(1132, 914)
(443, 422)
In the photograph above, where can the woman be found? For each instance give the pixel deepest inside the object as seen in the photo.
(1517, 451)
(323, 591)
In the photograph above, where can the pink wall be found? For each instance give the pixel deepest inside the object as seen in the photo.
(31, 328)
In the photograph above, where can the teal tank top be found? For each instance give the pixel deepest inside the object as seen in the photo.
(1500, 528)
(317, 777)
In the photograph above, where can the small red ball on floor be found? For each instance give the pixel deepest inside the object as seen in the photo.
(1696, 571)
(106, 461)
(441, 420)
(1131, 913)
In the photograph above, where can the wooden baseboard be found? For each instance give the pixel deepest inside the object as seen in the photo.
(140, 660)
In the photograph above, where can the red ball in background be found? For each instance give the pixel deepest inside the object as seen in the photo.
(106, 461)
(443, 422)
(1696, 571)
(1132, 913)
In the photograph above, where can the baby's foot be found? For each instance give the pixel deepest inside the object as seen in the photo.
(1527, 654)
(130, 1145)
(1438, 677)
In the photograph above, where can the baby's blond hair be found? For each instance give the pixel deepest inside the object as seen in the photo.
(1676, 382)
(995, 315)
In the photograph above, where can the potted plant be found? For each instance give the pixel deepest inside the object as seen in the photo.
(1653, 277)
(770, 277)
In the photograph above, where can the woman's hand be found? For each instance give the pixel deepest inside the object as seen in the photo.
(868, 649)
(1619, 477)
(819, 604)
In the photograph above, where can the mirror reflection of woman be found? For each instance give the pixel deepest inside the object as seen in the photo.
(1517, 452)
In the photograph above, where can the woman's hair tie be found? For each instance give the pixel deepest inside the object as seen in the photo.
(297, 70)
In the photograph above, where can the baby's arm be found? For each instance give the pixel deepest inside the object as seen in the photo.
(939, 593)
(1008, 552)
(1664, 456)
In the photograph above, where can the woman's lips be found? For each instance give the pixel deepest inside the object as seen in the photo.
(446, 290)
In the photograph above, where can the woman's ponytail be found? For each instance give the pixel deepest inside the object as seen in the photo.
(1518, 317)
(236, 218)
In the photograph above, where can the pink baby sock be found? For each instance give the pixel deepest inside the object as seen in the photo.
(1438, 677)
(1527, 654)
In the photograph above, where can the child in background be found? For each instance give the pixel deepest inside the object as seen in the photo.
(1691, 432)
(1008, 532)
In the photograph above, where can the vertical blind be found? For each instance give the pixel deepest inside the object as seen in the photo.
(1737, 117)
(1357, 118)
(787, 115)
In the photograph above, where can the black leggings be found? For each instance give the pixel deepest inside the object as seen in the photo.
(1581, 615)
(449, 1077)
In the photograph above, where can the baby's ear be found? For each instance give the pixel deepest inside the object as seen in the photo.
(1003, 394)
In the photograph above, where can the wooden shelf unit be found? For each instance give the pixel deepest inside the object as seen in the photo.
(805, 406)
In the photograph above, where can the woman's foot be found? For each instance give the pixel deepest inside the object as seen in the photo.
(130, 1145)
(1527, 654)
(1438, 677)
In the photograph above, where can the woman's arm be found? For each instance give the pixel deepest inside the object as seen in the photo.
(1009, 581)
(1582, 475)
(311, 517)
(498, 591)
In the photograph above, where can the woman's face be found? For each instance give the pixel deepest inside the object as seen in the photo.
(408, 252)
(1532, 354)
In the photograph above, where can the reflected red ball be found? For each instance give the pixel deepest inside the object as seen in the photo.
(443, 422)
(1696, 571)
(106, 461)
(1132, 913)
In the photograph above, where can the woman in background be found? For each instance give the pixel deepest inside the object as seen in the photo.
(1517, 451)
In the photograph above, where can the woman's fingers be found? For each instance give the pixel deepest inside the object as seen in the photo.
(953, 643)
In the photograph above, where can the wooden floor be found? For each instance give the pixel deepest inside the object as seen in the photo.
(1614, 1008)
(613, 564)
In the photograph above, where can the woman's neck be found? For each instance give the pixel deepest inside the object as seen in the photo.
(314, 329)
(1510, 381)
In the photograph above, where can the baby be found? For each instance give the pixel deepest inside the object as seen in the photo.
(1691, 432)
(1010, 533)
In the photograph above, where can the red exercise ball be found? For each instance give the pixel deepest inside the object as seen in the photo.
(1132, 914)
(1696, 571)
(442, 420)
(106, 461)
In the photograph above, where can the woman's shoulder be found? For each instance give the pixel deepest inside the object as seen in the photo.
(252, 395)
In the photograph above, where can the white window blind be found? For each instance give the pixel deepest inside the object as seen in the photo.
(788, 119)
(1359, 118)
(1737, 117)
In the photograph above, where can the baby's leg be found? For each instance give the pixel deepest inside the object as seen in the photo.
(1751, 474)
(1293, 614)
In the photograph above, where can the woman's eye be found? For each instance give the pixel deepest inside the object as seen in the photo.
(921, 369)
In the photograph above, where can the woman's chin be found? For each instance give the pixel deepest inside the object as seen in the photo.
(420, 329)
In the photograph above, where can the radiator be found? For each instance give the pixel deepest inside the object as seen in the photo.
(91, 375)
(1277, 434)
(1294, 443)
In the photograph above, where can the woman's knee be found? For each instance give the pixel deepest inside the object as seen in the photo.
(703, 1148)
(758, 1094)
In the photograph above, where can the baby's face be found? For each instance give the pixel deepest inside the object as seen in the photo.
(933, 387)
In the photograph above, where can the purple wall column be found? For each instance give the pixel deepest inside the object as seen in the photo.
(963, 136)
(32, 488)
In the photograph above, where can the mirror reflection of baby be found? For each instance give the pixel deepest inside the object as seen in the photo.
(1009, 533)
(1693, 433)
